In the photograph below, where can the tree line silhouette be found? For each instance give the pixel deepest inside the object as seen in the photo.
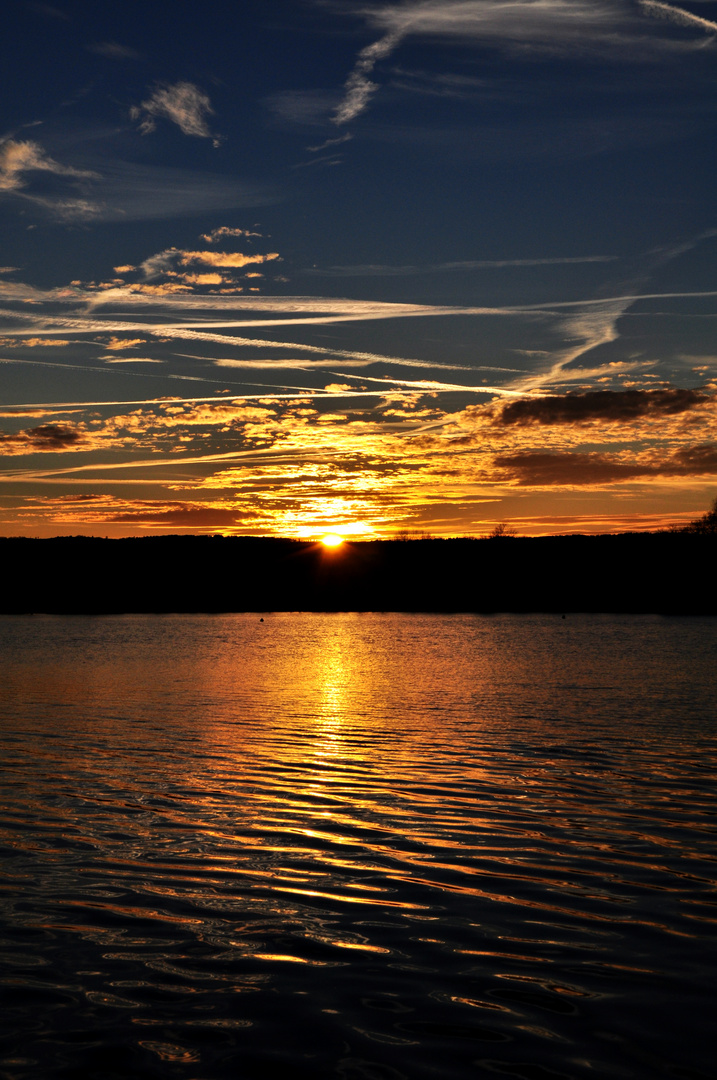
(669, 572)
(706, 524)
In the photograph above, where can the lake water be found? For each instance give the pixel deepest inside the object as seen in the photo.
(365, 846)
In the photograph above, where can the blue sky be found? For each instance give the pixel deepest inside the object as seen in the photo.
(277, 267)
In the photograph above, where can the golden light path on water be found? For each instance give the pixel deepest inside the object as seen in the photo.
(358, 845)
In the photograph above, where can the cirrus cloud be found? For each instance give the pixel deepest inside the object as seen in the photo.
(587, 27)
(18, 158)
(182, 103)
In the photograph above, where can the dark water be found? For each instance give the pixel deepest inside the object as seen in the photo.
(361, 846)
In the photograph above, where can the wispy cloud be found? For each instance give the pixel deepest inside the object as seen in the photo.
(293, 310)
(312, 108)
(50, 11)
(133, 192)
(226, 232)
(378, 270)
(677, 15)
(114, 51)
(432, 386)
(99, 370)
(586, 27)
(18, 158)
(548, 25)
(359, 88)
(587, 329)
(182, 103)
(348, 359)
(117, 190)
(346, 137)
(131, 360)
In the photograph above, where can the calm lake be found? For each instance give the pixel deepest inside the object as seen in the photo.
(365, 846)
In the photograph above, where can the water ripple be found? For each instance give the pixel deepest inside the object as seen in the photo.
(358, 846)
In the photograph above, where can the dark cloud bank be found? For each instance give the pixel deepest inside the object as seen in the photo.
(45, 437)
(537, 469)
(607, 405)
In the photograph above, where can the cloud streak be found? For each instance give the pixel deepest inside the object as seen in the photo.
(588, 27)
(660, 10)
(114, 51)
(359, 88)
(553, 26)
(377, 270)
(18, 158)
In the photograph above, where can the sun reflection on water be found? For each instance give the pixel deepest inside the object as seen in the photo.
(352, 811)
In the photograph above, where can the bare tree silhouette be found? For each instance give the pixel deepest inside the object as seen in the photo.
(502, 531)
(705, 524)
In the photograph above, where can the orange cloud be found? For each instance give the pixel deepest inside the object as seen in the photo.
(203, 279)
(116, 343)
(165, 289)
(33, 342)
(233, 259)
(285, 465)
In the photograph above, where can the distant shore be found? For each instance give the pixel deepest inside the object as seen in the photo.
(668, 573)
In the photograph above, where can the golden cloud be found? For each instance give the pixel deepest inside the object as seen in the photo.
(299, 463)
(234, 259)
(33, 343)
(116, 343)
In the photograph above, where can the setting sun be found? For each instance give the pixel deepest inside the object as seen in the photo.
(332, 540)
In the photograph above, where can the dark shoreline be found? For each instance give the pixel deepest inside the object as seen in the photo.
(631, 573)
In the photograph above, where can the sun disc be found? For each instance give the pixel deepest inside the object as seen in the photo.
(332, 540)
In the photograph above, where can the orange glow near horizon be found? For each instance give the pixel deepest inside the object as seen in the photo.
(332, 540)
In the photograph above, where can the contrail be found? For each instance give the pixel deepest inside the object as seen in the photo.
(677, 15)
(268, 395)
(427, 386)
(359, 88)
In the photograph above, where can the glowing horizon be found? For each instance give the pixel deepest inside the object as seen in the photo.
(405, 320)
(332, 540)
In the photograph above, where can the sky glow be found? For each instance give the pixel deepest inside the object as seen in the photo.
(332, 540)
(408, 268)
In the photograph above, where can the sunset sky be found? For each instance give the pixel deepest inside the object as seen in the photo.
(278, 267)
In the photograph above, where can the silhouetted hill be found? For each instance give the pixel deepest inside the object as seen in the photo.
(633, 572)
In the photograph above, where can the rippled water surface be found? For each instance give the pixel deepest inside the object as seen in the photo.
(362, 846)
